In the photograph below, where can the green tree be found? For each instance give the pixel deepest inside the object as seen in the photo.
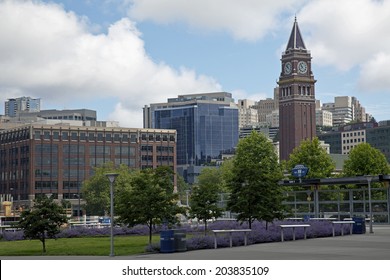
(312, 155)
(150, 200)
(96, 190)
(255, 193)
(226, 174)
(205, 196)
(43, 220)
(365, 160)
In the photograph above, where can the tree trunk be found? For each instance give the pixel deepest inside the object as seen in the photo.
(205, 227)
(43, 243)
(150, 231)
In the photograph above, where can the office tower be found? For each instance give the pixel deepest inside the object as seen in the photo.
(14, 106)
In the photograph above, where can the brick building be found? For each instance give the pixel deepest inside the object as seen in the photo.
(40, 160)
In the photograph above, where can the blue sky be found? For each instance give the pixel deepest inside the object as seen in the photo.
(115, 56)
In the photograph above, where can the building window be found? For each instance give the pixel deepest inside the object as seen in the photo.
(65, 136)
(37, 135)
(83, 136)
(46, 135)
(125, 138)
(100, 137)
(73, 136)
(56, 135)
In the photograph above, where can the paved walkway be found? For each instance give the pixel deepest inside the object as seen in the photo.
(375, 246)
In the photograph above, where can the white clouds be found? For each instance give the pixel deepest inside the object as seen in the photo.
(247, 19)
(345, 34)
(348, 34)
(48, 53)
(375, 73)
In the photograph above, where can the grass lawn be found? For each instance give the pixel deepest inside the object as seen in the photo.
(84, 246)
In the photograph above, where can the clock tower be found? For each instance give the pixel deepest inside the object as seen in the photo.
(297, 114)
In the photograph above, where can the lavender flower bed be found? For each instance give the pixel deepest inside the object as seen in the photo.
(260, 233)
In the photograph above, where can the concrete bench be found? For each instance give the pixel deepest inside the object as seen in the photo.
(342, 228)
(230, 231)
(293, 226)
(294, 219)
(323, 219)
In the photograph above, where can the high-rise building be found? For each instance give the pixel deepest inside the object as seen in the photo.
(248, 116)
(267, 106)
(206, 125)
(54, 160)
(346, 109)
(297, 117)
(14, 106)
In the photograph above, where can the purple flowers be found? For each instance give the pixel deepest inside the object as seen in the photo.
(195, 234)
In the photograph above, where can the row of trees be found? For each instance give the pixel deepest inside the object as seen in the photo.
(251, 179)
(141, 196)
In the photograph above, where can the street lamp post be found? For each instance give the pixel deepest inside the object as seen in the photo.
(369, 178)
(111, 177)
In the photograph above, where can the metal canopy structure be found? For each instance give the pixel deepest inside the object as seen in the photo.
(315, 183)
(358, 180)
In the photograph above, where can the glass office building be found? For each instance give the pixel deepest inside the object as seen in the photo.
(206, 125)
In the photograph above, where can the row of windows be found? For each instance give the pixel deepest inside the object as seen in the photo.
(302, 90)
(101, 136)
(48, 185)
(352, 134)
(53, 173)
(356, 140)
(14, 175)
(14, 162)
(84, 136)
(80, 149)
(14, 136)
(157, 137)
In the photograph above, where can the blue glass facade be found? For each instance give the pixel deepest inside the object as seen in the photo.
(204, 130)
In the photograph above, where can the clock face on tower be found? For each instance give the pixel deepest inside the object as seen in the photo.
(287, 68)
(302, 67)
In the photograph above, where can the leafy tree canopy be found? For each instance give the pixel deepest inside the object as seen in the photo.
(205, 195)
(96, 190)
(255, 193)
(43, 220)
(363, 159)
(312, 155)
(150, 200)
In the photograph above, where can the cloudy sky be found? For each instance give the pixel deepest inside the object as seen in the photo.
(115, 56)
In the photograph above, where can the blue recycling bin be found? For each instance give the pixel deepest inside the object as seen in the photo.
(167, 241)
(359, 227)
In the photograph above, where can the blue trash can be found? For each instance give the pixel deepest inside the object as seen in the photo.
(359, 227)
(167, 241)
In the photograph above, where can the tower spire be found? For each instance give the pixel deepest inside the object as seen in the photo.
(296, 40)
